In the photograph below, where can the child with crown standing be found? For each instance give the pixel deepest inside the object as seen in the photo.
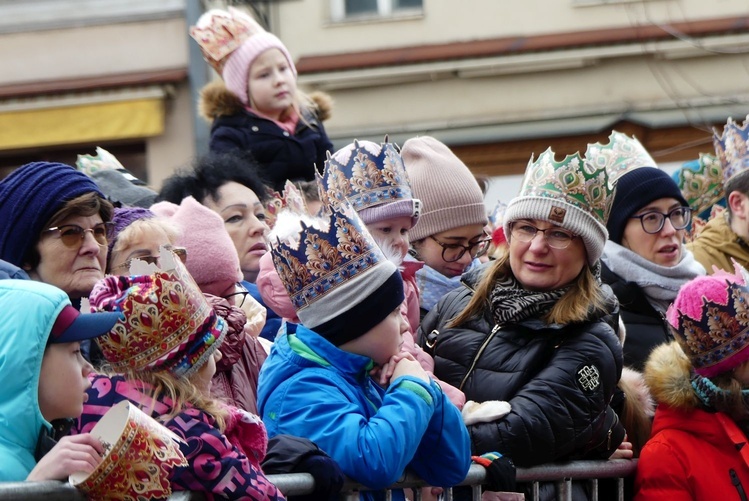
(316, 382)
(700, 381)
(258, 106)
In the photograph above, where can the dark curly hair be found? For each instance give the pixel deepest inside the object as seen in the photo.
(209, 173)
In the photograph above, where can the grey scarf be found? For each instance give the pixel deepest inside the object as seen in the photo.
(660, 283)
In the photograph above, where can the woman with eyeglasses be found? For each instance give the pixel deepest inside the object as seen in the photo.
(55, 225)
(449, 234)
(645, 260)
(533, 329)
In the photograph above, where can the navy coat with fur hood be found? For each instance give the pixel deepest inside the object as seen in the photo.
(558, 379)
(281, 155)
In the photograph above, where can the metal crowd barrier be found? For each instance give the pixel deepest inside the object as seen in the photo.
(562, 474)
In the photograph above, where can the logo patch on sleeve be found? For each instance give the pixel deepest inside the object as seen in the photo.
(588, 377)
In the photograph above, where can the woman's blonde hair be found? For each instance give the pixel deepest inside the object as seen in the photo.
(731, 400)
(136, 229)
(574, 306)
(181, 392)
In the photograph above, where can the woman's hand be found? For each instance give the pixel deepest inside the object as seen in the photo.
(76, 453)
(624, 451)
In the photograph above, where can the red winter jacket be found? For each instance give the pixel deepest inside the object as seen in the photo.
(693, 454)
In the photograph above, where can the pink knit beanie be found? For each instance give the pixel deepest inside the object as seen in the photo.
(273, 291)
(450, 196)
(710, 320)
(211, 256)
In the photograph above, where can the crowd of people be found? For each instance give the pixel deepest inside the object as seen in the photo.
(283, 307)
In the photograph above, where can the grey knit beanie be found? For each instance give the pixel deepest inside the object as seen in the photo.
(450, 196)
(572, 194)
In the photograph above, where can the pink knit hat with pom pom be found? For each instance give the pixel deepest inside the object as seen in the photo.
(212, 259)
(710, 320)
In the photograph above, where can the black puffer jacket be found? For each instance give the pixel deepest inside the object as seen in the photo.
(281, 155)
(646, 328)
(558, 380)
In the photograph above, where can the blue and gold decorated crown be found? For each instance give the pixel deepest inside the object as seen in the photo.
(339, 281)
(732, 148)
(291, 199)
(367, 175)
(701, 183)
(619, 156)
(574, 194)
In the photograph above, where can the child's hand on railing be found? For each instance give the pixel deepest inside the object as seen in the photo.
(624, 451)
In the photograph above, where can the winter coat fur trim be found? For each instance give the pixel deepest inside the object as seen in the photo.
(667, 374)
(216, 100)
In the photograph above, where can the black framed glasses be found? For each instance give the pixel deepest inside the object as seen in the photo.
(652, 221)
(555, 237)
(237, 298)
(180, 252)
(453, 252)
(73, 235)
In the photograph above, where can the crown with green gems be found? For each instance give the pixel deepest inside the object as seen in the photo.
(574, 180)
(732, 148)
(619, 156)
(701, 182)
(365, 175)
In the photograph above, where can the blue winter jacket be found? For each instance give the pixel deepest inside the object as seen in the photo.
(310, 388)
(28, 311)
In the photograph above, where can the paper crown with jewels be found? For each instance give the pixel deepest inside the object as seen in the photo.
(167, 324)
(369, 175)
(573, 193)
(701, 183)
(710, 321)
(619, 156)
(290, 199)
(339, 281)
(732, 148)
(221, 32)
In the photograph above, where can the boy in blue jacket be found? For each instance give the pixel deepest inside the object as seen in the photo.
(44, 382)
(340, 380)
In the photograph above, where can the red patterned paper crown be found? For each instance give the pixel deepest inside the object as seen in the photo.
(732, 148)
(710, 320)
(219, 33)
(291, 199)
(167, 323)
(367, 175)
(315, 261)
(619, 156)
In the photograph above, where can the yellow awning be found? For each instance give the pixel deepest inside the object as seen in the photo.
(85, 123)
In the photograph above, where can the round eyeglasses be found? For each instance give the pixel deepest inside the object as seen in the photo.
(180, 252)
(73, 235)
(453, 252)
(556, 238)
(652, 221)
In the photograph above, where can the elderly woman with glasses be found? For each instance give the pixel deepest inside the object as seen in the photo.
(645, 260)
(55, 225)
(533, 329)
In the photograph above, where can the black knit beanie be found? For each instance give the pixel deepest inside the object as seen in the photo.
(635, 190)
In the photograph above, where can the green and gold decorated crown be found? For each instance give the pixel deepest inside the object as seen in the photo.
(701, 182)
(732, 148)
(619, 156)
(574, 180)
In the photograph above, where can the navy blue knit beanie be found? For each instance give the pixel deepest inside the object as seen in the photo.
(29, 197)
(635, 190)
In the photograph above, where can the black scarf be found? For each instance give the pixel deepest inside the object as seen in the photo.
(511, 303)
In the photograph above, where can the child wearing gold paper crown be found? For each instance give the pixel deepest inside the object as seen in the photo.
(165, 350)
(258, 106)
(316, 382)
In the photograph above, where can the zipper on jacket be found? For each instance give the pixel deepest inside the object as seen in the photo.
(478, 355)
(737, 483)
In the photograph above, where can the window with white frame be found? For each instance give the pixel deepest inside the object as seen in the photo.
(343, 10)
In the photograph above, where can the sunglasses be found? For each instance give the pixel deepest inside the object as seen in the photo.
(180, 252)
(73, 235)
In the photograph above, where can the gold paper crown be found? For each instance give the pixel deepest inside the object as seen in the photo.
(291, 199)
(573, 180)
(219, 33)
(621, 155)
(732, 148)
